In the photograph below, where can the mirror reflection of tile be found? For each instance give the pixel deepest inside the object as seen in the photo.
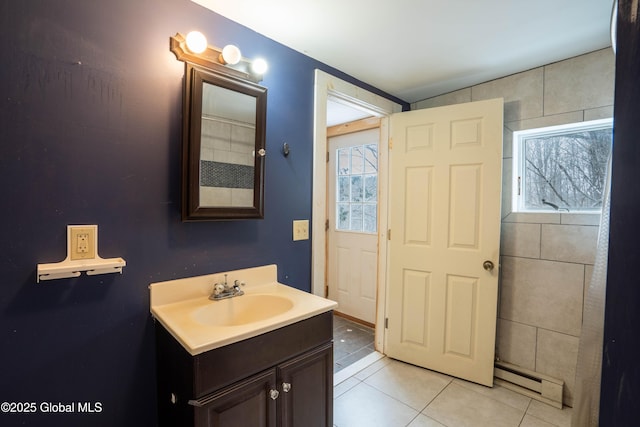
(351, 342)
(226, 175)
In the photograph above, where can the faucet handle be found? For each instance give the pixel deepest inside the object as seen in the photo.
(218, 288)
(238, 283)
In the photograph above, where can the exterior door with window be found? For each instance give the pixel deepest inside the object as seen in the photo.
(445, 188)
(352, 240)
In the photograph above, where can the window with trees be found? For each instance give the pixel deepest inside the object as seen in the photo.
(561, 168)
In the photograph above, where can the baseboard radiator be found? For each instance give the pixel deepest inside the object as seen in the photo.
(531, 384)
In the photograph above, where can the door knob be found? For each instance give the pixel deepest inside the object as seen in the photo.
(286, 387)
(273, 394)
(487, 265)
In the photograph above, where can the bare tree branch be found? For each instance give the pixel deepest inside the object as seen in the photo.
(537, 171)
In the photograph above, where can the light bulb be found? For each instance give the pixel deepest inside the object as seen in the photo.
(196, 42)
(259, 66)
(231, 54)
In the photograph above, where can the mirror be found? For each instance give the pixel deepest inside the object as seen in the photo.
(223, 146)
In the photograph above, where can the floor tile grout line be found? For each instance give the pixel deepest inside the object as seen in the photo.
(525, 412)
(397, 400)
(353, 352)
(434, 398)
(372, 373)
(358, 382)
(389, 396)
(413, 419)
(463, 383)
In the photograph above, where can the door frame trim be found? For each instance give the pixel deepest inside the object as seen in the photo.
(325, 86)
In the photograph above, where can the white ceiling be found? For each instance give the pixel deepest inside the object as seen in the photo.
(415, 49)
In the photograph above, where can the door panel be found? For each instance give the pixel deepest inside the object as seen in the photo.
(415, 305)
(461, 315)
(352, 239)
(418, 206)
(247, 403)
(445, 186)
(464, 212)
(307, 385)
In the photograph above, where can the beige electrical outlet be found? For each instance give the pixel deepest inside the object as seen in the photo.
(82, 241)
(301, 229)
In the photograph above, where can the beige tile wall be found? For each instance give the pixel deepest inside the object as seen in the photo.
(547, 258)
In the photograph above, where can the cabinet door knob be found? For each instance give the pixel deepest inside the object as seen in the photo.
(273, 394)
(286, 387)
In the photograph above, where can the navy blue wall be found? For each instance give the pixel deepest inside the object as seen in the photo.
(620, 390)
(90, 130)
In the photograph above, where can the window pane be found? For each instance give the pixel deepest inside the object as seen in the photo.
(343, 216)
(370, 188)
(371, 158)
(370, 218)
(343, 161)
(343, 188)
(566, 171)
(356, 188)
(357, 161)
(356, 218)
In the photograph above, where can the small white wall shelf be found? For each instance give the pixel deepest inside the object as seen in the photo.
(82, 255)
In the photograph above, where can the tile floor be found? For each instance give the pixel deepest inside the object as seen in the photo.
(378, 391)
(351, 342)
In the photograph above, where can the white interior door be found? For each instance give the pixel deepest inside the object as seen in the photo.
(352, 240)
(444, 209)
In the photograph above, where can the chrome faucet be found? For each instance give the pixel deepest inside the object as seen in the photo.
(223, 290)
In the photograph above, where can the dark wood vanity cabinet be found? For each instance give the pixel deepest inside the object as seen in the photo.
(282, 378)
(245, 404)
(307, 389)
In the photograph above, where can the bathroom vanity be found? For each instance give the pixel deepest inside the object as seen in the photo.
(266, 360)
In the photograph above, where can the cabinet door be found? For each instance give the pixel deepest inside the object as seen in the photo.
(247, 403)
(306, 383)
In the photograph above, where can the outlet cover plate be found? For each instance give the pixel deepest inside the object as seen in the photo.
(82, 242)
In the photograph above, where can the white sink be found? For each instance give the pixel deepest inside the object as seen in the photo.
(242, 310)
(183, 307)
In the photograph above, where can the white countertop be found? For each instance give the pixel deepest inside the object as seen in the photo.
(173, 304)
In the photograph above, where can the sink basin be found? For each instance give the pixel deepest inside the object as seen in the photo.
(242, 310)
(182, 307)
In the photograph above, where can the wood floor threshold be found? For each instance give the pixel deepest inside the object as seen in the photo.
(355, 320)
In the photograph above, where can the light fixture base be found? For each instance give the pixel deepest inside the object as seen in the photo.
(210, 58)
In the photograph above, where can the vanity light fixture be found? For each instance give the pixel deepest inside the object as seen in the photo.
(230, 55)
(194, 49)
(196, 42)
(259, 66)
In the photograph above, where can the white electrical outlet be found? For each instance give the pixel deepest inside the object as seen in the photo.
(301, 229)
(83, 241)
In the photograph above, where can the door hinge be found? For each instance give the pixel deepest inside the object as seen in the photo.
(519, 185)
(386, 323)
(390, 143)
(326, 225)
(389, 234)
(327, 157)
(326, 291)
